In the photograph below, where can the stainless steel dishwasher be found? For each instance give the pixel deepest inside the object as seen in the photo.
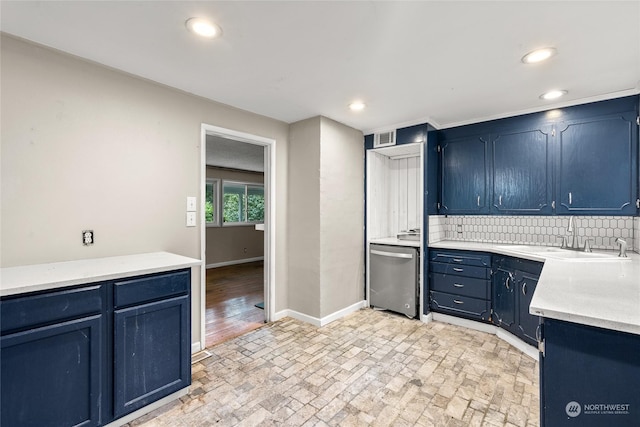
(393, 278)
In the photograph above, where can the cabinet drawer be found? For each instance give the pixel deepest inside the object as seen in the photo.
(458, 305)
(464, 286)
(460, 270)
(459, 257)
(34, 310)
(150, 288)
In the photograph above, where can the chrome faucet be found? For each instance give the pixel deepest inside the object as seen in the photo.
(572, 234)
(623, 247)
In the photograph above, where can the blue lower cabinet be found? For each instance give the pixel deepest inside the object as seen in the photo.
(459, 305)
(589, 376)
(504, 294)
(514, 282)
(70, 357)
(152, 353)
(53, 376)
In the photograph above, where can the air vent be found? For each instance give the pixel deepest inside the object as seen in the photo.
(384, 139)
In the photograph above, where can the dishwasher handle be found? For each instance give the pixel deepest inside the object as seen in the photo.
(392, 254)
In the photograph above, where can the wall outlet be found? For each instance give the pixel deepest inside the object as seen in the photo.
(88, 237)
(191, 219)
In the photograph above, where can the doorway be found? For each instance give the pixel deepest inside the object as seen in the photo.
(247, 273)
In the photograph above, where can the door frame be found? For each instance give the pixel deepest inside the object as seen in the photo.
(269, 216)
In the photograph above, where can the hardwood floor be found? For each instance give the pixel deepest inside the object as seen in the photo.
(231, 294)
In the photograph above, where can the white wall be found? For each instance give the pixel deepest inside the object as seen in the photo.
(341, 217)
(326, 207)
(304, 212)
(87, 147)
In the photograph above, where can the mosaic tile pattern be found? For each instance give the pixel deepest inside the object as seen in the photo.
(370, 368)
(535, 230)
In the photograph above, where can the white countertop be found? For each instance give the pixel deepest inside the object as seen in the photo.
(38, 277)
(395, 242)
(601, 293)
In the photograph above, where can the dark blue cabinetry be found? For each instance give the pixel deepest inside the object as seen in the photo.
(522, 172)
(514, 282)
(52, 376)
(460, 283)
(503, 301)
(577, 160)
(412, 134)
(52, 349)
(85, 356)
(465, 175)
(588, 376)
(597, 171)
(150, 348)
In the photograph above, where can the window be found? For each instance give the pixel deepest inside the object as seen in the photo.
(211, 203)
(242, 203)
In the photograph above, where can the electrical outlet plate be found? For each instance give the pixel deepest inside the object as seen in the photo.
(191, 219)
(88, 237)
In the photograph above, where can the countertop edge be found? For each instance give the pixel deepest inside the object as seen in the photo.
(39, 277)
(576, 310)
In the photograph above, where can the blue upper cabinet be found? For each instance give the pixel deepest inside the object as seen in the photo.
(465, 175)
(580, 160)
(412, 134)
(522, 172)
(431, 173)
(597, 165)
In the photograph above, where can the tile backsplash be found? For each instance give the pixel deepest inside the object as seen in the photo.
(535, 230)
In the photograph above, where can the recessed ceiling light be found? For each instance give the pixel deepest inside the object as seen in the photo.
(539, 55)
(357, 106)
(553, 94)
(203, 28)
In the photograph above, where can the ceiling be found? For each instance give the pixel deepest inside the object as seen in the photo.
(445, 62)
(231, 154)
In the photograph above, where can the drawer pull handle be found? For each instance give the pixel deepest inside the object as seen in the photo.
(458, 285)
(458, 269)
(457, 301)
(524, 289)
(457, 260)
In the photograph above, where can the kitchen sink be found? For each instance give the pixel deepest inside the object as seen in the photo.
(561, 253)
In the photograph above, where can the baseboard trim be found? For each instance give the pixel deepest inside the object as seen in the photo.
(490, 329)
(341, 313)
(150, 407)
(466, 323)
(234, 262)
(426, 318)
(196, 347)
(530, 351)
(319, 322)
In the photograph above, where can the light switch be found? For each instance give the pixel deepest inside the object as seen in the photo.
(191, 219)
(191, 204)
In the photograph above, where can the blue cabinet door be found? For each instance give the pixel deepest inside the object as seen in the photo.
(465, 180)
(522, 172)
(589, 376)
(597, 170)
(503, 303)
(431, 175)
(52, 375)
(527, 323)
(151, 352)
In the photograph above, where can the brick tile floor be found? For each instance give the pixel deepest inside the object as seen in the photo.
(370, 368)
